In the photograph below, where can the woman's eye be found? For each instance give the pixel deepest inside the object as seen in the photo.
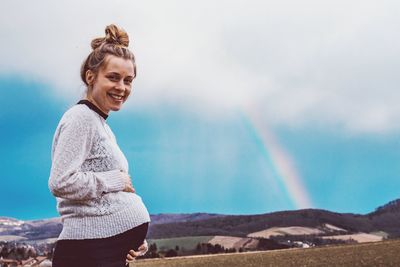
(113, 78)
(128, 82)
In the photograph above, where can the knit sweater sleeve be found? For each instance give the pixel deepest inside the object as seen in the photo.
(71, 146)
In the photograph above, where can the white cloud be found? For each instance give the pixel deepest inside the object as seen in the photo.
(326, 62)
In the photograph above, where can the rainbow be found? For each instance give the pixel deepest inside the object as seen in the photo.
(280, 160)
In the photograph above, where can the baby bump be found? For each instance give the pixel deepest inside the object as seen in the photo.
(107, 204)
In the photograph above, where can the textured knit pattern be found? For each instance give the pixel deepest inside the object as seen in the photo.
(87, 178)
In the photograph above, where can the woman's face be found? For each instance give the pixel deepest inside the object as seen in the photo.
(112, 85)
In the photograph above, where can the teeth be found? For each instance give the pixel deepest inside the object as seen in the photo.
(118, 97)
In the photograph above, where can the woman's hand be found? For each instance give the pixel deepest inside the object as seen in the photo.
(128, 183)
(133, 254)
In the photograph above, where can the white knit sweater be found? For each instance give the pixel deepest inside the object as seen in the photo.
(86, 178)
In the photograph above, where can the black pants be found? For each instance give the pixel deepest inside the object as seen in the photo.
(100, 252)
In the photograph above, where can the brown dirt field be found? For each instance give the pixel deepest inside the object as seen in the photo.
(292, 230)
(230, 241)
(385, 253)
(360, 237)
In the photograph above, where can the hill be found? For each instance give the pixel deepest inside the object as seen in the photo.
(385, 219)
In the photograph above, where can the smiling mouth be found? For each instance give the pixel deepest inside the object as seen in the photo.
(116, 97)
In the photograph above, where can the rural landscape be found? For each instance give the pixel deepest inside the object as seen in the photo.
(252, 133)
(308, 237)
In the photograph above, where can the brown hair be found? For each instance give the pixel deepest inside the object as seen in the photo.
(115, 43)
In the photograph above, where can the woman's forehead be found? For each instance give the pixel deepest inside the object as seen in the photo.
(118, 64)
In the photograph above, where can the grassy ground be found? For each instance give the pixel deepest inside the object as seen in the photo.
(386, 253)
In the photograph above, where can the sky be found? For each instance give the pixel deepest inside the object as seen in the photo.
(239, 107)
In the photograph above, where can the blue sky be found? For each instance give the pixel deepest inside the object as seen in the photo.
(183, 162)
(320, 76)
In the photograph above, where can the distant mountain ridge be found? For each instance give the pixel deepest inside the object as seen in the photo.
(391, 207)
(242, 225)
(182, 217)
(385, 218)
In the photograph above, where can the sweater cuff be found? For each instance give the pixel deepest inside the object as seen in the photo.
(113, 180)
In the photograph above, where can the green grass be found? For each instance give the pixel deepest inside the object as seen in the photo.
(184, 243)
(386, 253)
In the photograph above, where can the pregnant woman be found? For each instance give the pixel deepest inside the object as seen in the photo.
(104, 221)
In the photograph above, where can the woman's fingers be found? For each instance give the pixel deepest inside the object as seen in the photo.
(143, 248)
(129, 256)
(133, 253)
(128, 184)
(129, 188)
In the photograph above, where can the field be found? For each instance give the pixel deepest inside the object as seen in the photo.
(385, 253)
(184, 243)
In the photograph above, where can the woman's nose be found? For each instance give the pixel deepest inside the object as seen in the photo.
(120, 85)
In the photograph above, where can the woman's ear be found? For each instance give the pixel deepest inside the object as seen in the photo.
(90, 77)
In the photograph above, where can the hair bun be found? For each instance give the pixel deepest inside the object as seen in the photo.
(114, 35)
